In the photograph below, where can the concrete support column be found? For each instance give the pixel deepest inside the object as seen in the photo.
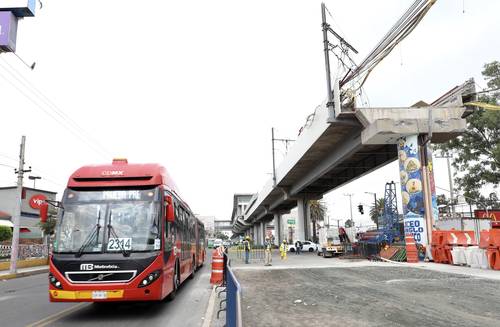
(301, 220)
(277, 229)
(417, 183)
(263, 227)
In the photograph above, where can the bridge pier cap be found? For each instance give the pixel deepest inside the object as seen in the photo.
(387, 125)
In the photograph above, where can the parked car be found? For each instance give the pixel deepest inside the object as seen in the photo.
(307, 246)
(217, 243)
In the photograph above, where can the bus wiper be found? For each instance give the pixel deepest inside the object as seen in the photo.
(112, 230)
(90, 237)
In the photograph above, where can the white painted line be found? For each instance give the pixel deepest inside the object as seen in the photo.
(210, 309)
(52, 318)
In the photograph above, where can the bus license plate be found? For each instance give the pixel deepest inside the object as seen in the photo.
(99, 295)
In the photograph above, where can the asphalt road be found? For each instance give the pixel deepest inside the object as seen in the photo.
(364, 296)
(24, 302)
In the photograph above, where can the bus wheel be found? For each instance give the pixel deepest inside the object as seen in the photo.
(193, 268)
(175, 284)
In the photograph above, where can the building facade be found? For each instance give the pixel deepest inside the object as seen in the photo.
(30, 208)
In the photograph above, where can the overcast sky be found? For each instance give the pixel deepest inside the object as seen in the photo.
(197, 85)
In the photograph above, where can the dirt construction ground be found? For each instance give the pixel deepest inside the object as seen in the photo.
(366, 296)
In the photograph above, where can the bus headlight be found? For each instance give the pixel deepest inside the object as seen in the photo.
(55, 282)
(150, 278)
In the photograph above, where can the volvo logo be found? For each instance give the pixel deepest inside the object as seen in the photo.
(87, 266)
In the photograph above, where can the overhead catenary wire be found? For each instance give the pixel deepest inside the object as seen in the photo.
(403, 27)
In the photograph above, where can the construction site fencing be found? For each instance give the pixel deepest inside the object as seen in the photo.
(25, 251)
(257, 254)
(233, 298)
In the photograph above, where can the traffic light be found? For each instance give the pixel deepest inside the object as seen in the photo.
(360, 208)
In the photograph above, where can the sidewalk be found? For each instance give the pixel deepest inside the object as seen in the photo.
(22, 272)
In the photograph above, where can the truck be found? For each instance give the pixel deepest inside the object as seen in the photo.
(330, 243)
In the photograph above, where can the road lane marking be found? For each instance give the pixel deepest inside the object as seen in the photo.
(210, 309)
(50, 319)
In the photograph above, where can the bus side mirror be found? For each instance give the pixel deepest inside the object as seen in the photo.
(170, 209)
(44, 210)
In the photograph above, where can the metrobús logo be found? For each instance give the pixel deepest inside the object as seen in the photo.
(37, 200)
(91, 266)
(112, 173)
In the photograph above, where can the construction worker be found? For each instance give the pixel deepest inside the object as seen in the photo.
(268, 253)
(246, 247)
(283, 250)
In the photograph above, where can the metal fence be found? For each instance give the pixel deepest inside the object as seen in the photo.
(238, 253)
(233, 297)
(25, 251)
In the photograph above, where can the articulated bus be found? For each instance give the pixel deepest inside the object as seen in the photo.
(123, 234)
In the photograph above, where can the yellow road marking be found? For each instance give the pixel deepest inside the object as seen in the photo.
(50, 319)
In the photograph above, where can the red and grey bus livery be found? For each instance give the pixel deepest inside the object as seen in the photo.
(123, 234)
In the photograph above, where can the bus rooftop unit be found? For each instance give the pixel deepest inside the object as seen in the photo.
(123, 234)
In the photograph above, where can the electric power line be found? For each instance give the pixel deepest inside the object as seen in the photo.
(72, 131)
(53, 106)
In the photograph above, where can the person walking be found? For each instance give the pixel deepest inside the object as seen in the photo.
(246, 247)
(298, 247)
(283, 250)
(268, 252)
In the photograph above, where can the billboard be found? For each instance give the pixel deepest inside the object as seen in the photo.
(412, 194)
(8, 31)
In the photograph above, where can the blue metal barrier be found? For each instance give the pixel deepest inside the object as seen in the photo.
(233, 296)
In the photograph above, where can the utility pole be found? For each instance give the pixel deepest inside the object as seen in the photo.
(273, 139)
(274, 164)
(450, 181)
(329, 104)
(350, 204)
(17, 212)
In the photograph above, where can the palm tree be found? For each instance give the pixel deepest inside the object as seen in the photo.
(317, 210)
(377, 211)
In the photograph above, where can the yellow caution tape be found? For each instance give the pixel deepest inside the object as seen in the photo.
(483, 105)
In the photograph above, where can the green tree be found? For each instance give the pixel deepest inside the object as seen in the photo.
(349, 223)
(221, 235)
(377, 210)
(49, 226)
(477, 151)
(317, 210)
(5, 233)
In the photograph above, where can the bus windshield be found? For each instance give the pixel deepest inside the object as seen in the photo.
(109, 221)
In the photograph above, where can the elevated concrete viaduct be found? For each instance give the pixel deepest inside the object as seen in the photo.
(330, 153)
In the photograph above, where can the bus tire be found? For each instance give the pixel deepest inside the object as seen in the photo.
(193, 268)
(175, 283)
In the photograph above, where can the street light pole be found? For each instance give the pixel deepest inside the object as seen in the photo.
(34, 178)
(375, 205)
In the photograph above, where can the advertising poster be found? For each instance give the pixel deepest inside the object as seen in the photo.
(410, 174)
(434, 209)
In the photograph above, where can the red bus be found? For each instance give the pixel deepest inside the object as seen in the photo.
(123, 234)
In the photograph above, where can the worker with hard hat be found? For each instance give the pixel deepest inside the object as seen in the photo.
(267, 252)
(283, 250)
(246, 247)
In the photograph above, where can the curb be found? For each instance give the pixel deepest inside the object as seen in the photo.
(24, 274)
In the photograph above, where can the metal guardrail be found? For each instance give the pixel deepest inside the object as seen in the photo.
(233, 297)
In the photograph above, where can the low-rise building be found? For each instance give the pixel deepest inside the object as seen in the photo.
(30, 208)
